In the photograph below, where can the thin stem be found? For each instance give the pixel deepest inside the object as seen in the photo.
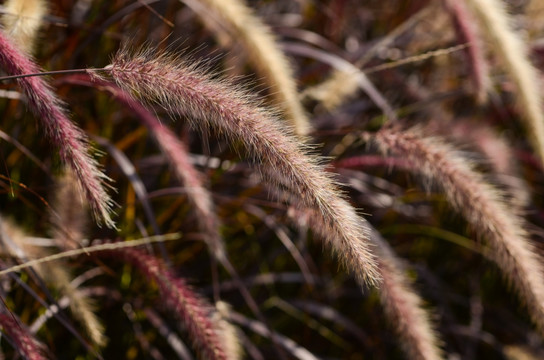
(54, 72)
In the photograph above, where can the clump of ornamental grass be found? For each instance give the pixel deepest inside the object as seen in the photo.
(511, 50)
(482, 206)
(72, 143)
(208, 104)
(262, 49)
(21, 20)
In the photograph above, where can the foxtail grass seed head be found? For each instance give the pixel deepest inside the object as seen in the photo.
(216, 105)
(196, 314)
(23, 340)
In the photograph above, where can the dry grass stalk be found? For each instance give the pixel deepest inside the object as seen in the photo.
(22, 19)
(341, 85)
(266, 56)
(513, 53)
(195, 313)
(215, 105)
(71, 141)
(22, 339)
(480, 204)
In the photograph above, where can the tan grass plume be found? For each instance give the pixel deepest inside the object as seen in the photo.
(260, 44)
(512, 51)
(218, 106)
(22, 19)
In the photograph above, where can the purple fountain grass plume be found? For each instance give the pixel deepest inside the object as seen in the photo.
(402, 304)
(22, 339)
(195, 313)
(257, 39)
(70, 140)
(216, 105)
(480, 204)
(512, 51)
(468, 32)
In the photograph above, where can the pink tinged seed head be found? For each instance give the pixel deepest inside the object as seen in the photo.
(216, 105)
(71, 142)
